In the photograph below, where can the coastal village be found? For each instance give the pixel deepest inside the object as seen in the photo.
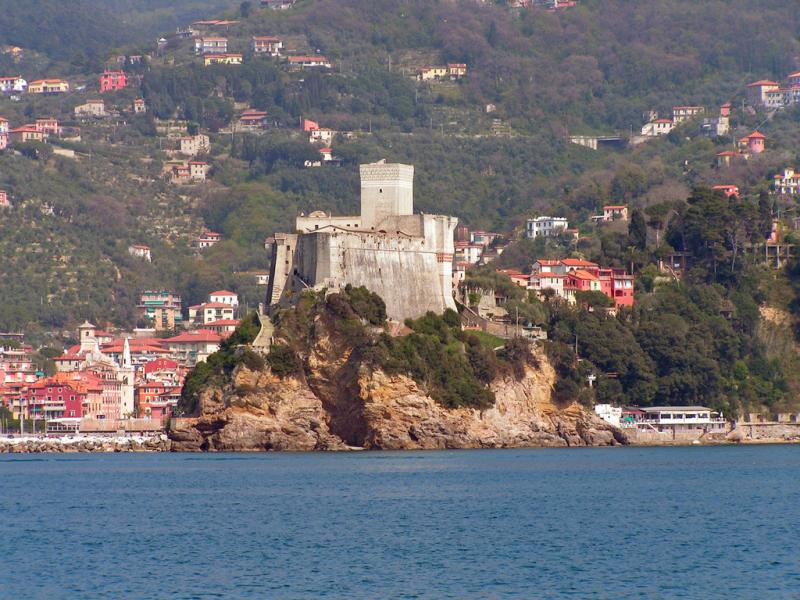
(115, 380)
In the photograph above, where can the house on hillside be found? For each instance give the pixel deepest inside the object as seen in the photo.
(200, 314)
(756, 92)
(725, 158)
(48, 86)
(456, 70)
(208, 239)
(192, 145)
(684, 113)
(267, 45)
(198, 170)
(252, 120)
(111, 81)
(162, 308)
(92, 108)
(788, 182)
(730, 191)
(755, 143)
(224, 297)
(140, 251)
(657, 127)
(612, 212)
(48, 125)
(13, 85)
(309, 62)
(545, 227)
(432, 73)
(222, 59)
(139, 106)
(210, 45)
(4, 199)
(26, 133)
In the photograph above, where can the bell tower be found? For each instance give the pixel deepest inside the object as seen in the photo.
(387, 190)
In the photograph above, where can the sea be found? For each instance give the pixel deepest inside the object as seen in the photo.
(610, 523)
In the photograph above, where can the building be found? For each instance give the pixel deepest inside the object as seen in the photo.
(405, 258)
(614, 212)
(92, 108)
(755, 143)
(192, 347)
(730, 191)
(232, 58)
(567, 276)
(684, 113)
(3, 133)
(787, 182)
(13, 85)
(198, 170)
(675, 420)
(545, 227)
(26, 133)
(200, 314)
(610, 414)
(267, 45)
(4, 203)
(223, 327)
(725, 157)
(139, 106)
(48, 126)
(321, 136)
(140, 251)
(161, 308)
(50, 399)
(224, 297)
(210, 45)
(208, 239)
(432, 73)
(111, 81)
(309, 62)
(757, 91)
(251, 120)
(467, 252)
(456, 70)
(657, 127)
(192, 145)
(48, 86)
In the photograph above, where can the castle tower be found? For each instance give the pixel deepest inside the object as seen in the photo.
(387, 189)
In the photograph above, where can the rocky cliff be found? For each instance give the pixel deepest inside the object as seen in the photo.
(340, 403)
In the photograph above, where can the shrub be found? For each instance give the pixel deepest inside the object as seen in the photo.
(283, 361)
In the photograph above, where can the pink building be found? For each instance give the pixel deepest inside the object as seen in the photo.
(110, 81)
(755, 142)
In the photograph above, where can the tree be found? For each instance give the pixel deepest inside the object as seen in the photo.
(245, 8)
(637, 230)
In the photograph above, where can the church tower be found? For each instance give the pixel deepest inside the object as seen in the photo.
(125, 375)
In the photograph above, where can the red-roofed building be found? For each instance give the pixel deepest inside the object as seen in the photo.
(111, 81)
(517, 277)
(252, 119)
(755, 143)
(757, 91)
(224, 327)
(267, 45)
(613, 212)
(200, 314)
(192, 347)
(725, 157)
(224, 297)
(730, 191)
(208, 239)
(26, 133)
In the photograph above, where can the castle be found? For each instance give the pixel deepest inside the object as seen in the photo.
(405, 258)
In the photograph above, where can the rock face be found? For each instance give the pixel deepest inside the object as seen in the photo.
(341, 404)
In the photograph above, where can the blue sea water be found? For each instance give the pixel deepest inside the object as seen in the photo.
(684, 523)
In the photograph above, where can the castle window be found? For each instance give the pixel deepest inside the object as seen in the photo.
(380, 191)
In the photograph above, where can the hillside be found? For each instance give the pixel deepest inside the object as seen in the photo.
(490, 147)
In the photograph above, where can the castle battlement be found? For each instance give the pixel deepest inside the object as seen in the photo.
(401, 256)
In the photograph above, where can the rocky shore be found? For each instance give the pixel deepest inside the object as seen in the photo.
(340, 405)
(28, 445)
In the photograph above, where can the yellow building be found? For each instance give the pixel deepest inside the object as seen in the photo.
(222, 59)
(48, 86)
(432, 73)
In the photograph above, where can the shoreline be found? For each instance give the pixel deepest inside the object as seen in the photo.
(162, 443)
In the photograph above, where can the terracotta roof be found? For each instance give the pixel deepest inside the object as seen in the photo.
(581, 274)
(577, 262)
(160, 364)
(222, 293)
(757, 135)
(200, 335)
(727, 153)
(212, 305)
(614, 206)
(222, 323)
(761, 82)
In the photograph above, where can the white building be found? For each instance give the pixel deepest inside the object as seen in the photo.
(680, 419)
(610, 414)
(13, 85)
(545, 227)
(657, 127)
(192, 145)
(224, 297)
